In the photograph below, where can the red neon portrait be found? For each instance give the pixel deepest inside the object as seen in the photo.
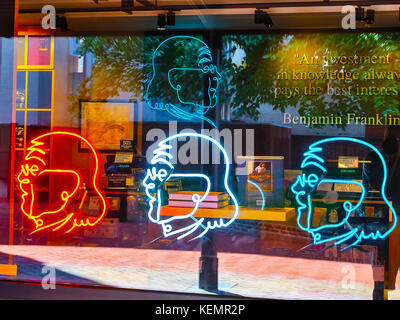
(59, 215)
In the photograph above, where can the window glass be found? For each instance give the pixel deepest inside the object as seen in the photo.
(39, 89)
(39, 50)
(21, 51)
(21, 89)
(143, 162)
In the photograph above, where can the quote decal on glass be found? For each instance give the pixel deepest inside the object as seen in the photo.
(338, 74)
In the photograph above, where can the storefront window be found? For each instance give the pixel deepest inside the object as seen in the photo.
(266, 157)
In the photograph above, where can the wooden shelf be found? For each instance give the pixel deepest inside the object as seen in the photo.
(269, 214)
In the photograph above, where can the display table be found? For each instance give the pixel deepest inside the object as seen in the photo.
(245, 213)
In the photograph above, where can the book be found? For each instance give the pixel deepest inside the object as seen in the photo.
(204, 204)
(260, 181)
(348, 187)
(187, 196)
(347, 162)
(123, 157)
(173, 185)
(260, 177)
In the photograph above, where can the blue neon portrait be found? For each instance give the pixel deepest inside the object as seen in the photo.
(184, 80)
(161, 170)
(314, 164)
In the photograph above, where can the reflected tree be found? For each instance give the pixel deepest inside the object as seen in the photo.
(253, 79)
(250, 67)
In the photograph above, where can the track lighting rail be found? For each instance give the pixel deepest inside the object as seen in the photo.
(255, 5)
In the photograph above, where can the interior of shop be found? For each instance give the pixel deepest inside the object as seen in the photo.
(203, 147)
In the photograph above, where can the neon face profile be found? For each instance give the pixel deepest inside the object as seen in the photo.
(177, 83)
(162, 169)
(59, 215)
(314, 165)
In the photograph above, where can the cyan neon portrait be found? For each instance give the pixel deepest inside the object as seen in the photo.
(314, 174)
(184, 80)
(161, 170)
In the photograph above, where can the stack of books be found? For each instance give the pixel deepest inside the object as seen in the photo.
(183, 199)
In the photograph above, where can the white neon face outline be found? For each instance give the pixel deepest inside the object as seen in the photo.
(156, 178)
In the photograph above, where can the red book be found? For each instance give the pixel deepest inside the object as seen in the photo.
(187, 196)
(204, 204)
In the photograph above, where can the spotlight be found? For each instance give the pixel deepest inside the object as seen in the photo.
(170, 18)
(258, 14)
(124, 3)
(161, 21)
(261, 16)
(127, 5)
(370, 17)
(359, 14)
(61, 21)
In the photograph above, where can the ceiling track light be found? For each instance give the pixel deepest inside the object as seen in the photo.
(370, 17)
(359, 14)
(164, 20)
(127, 5)
(161, 22)
(62, 23)
(170, 18)
(262, 17)
(367, 16)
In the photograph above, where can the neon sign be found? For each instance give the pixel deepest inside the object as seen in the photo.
(180, 73)
(162, 170)
(306, 183)
(62, 217)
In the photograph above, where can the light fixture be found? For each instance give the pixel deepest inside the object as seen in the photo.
(165, 20)
(359, 14)
(126, 4)
(261, 16)
(370, 17)
(62, 23)
(170, 18)
(161, 21)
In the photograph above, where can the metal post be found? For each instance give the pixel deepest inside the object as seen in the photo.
(380, 270)
(208, 276)
(208, 269)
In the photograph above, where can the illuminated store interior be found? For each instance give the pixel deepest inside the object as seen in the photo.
(216, 147)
